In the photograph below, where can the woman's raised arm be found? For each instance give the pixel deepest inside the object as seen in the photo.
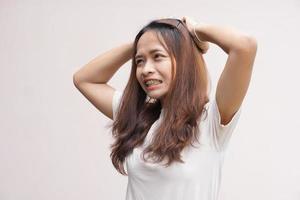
(235, 78)
(91, 80)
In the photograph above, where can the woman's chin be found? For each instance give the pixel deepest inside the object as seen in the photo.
(157, 93)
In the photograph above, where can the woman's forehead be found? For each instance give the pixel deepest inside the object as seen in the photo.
(149, 42)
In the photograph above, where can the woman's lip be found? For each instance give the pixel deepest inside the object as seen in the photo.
(153, 87)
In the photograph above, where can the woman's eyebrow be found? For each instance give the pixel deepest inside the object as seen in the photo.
(151, 52)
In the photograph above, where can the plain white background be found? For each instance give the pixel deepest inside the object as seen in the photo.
(54, 143)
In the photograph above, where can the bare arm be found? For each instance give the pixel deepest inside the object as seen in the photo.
(235, 78)
(91, 80)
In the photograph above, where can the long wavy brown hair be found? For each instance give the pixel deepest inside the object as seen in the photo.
(184, 102)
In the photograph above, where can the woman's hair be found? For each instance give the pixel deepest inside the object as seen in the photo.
(184, 102)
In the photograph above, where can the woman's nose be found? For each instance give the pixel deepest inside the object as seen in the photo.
(148, 68)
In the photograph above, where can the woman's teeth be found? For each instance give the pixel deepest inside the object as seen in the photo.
(153, 82)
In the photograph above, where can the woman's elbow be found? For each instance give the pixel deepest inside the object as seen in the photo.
(248, 44)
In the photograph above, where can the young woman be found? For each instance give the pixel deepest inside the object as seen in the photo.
(168, 133)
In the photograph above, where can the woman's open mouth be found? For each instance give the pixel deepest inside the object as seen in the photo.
(152, 85)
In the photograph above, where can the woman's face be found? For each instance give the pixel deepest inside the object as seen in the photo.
(153, 62)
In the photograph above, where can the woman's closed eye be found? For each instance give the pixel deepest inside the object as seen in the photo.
(138, 61)
(158, 55)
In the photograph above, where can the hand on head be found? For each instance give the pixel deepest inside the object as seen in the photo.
(191, 25)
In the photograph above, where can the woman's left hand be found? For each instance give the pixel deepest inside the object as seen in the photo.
(191, 24)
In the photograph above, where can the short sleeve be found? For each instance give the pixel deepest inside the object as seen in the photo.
(220, 133)
(115, 102)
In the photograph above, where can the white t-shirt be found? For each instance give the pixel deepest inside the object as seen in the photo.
(198, 178)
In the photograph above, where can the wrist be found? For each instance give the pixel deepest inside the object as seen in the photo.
(198, 31)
